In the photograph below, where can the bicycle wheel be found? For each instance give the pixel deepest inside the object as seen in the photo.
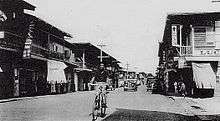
(103, 106)
(95, 108)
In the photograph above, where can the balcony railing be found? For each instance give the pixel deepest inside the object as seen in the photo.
(39, 50)
(46, 53)
(57, 55)
(11, 41)
(186, 50)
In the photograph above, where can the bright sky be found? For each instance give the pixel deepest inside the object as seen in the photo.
(131, 29)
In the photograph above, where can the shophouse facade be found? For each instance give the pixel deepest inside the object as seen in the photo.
(88, 60)
(190, 52)
(35, 57)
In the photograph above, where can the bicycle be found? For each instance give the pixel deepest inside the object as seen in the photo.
(99, 106)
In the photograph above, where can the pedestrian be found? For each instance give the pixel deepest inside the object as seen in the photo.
(182, 89)
(175, 87)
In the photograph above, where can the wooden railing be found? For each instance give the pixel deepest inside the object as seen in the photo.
(12, 42)
(39, 51)
(186, 50)
(46, 53)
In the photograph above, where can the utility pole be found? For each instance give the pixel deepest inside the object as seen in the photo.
(101, 46)
(83, 59)
(127, 65)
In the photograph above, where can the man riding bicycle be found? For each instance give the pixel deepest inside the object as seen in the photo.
(100, 78)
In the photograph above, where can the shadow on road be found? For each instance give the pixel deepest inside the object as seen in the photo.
(145, 115)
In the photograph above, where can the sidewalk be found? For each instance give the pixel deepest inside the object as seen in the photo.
(211, 105)
(27, 98)
(201, 106)
(42, 96)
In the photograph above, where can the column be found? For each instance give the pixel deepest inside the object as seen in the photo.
(16, 83)
(192, 38)
(76, 81)
(181, 51)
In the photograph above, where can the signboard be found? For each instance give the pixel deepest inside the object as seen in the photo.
(207, 52)
(182, 62)
(174, 35)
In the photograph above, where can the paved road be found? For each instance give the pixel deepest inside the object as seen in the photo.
(66, 107)
(123, 106)
(144, 106)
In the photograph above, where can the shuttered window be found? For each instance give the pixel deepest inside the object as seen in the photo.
(200, 35)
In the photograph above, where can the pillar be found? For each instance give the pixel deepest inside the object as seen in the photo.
(16, 83)
(76, 81)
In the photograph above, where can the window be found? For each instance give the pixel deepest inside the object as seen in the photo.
(204, 36)
(200, 35)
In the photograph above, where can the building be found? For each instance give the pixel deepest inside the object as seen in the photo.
(88, 59)
(190, 52)
(12, 33)
(36, 58)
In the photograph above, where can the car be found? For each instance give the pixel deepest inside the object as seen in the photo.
(121, 82)
(130, 84)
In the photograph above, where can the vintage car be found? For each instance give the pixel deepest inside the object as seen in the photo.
(121, 82)
(130, 84)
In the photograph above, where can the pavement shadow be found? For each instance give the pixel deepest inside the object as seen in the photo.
(145, 115)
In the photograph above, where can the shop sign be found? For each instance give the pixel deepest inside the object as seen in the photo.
(174, 35)
(207, 52)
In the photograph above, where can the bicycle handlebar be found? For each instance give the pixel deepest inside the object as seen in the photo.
(97, 84)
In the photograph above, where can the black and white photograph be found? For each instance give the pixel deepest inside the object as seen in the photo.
(109, 60)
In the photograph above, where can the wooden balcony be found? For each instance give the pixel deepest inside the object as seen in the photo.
(11, 42)
(56, 55)
(39, 51)
(186, 50)
(43, 52)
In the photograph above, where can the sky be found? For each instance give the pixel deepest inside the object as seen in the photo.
(131, 29)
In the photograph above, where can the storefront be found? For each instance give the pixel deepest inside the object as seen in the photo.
(32, 77)
(6, 80)
(56, 76)
(84, 76)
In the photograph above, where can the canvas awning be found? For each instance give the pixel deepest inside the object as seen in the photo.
(56, 71)
(203, 75)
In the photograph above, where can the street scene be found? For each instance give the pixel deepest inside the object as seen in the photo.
(106, 60)
(122, 106)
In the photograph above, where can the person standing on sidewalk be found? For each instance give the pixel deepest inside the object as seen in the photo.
(175, 84)
(182, 89)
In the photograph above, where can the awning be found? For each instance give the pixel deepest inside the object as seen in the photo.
(204, 75)
(56, 71)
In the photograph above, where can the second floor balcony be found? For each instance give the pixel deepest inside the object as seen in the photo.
(198, 41)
